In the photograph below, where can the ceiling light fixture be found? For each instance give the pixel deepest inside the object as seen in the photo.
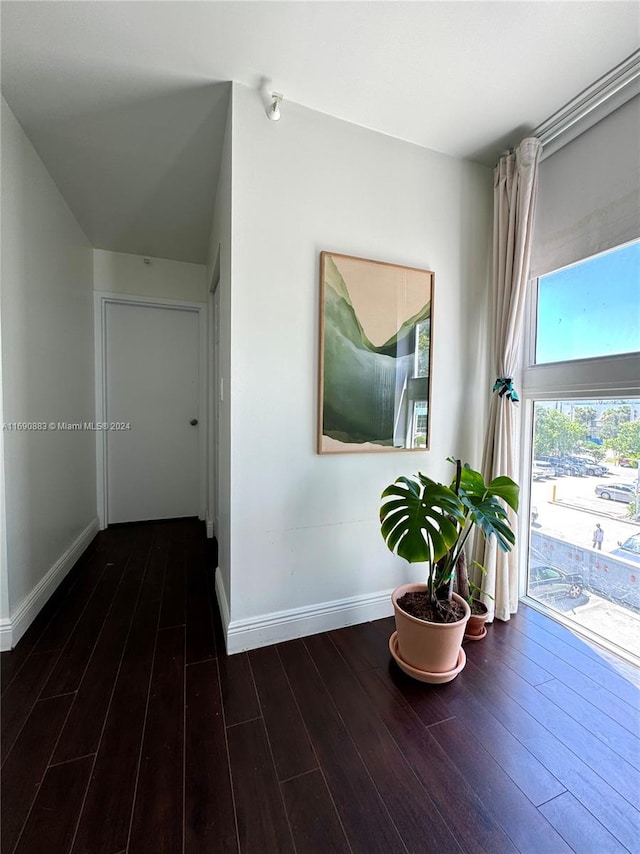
(273, 110)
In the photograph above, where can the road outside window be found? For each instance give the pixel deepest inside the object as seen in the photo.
(584, 556)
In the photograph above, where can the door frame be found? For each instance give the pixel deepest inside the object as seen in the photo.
(213, 403)
(101, 300)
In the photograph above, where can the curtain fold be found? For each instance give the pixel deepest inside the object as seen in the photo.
(515, 190)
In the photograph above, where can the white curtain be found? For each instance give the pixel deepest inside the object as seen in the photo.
(515, 189)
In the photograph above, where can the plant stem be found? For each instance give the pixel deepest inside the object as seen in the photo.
(462, 578)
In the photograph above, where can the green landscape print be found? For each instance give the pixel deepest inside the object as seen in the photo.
(375, 355)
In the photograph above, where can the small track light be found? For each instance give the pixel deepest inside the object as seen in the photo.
(273, 110)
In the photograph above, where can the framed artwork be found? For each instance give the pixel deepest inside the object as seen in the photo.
(376, 323)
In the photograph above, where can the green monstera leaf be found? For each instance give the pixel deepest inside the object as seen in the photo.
(483, 505)
(420, 518)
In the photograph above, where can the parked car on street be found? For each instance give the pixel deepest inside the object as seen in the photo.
(630, 549)
(575, 468)
(550, 582)
(560, 465)
(596, 468)
(563, 465)
(624, 492)
(591, 466)
(627, 463)
(543, 468)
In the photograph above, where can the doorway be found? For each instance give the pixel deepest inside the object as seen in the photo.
(150, 435)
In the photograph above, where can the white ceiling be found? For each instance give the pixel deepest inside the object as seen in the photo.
(126, 101)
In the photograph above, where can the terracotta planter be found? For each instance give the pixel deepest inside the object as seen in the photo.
(430, 648)
(476, 628)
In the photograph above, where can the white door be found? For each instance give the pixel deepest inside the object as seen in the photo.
(151, 362)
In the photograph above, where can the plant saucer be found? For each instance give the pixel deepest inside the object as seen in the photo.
(482, 634)
(425, 675)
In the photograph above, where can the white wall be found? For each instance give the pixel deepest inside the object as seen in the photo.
(48, 376)
(121, 273)
(5, 621)
(220, 264)
(304, 527)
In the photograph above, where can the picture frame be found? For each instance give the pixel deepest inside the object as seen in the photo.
(376, 329)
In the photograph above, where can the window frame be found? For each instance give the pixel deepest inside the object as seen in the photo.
(601, 377)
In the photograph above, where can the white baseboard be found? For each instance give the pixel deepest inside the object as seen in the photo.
(280, 626)
(11, 630)
(6, 634)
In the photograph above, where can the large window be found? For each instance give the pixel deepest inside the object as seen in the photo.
(582, 398)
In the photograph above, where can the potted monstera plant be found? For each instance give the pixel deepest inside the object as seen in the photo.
(428, 522)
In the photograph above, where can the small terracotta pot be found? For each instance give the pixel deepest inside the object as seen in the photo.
(476, 626)
(426, 646)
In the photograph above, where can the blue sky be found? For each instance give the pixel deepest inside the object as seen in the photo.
(591, 308)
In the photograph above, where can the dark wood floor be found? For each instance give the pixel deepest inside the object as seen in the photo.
(125, 728)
